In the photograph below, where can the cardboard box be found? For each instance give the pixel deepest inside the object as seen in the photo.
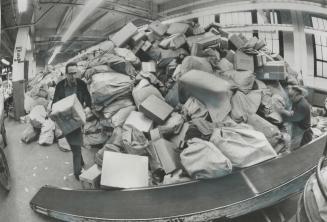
(260, 44)
(179, 139)
(165, 43)
(138, 46)
(243, 61)
(274, 70)
(251, 42)
(259, 60)
(158, 28)
(208, 41)
(139, 121)
(175, 28)
(214, 30)
(156, 109)
(69, 114)
(197, 38)
(123, 35)
(124, 170)
(90, 178)
(146, 46)
(242, 37)
(224, 42)
(150, 36)
(138, 37)
(223, 33)
(197, 50)
(198, 30)
(236, 41)
(177, 41)
(149, 66)
(165, 153)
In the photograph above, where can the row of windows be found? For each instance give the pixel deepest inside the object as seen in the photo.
(272, 38)
(235, 18)
(249, 18)
(319, 23)
(320, 47)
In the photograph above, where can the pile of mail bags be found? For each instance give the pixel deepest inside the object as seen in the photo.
(198, 102)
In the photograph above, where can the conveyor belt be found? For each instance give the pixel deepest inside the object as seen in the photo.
(244, 191)
(271, 174)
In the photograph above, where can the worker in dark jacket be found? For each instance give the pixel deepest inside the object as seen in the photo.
(300, 115)
(66, 87)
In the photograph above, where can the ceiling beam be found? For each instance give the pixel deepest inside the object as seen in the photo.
(137, 13)
(144, 7)
(114, 27)
(65, 16)
(8, 49)
(13, 11)
(86, 26)
(91, 22)
(3, 21)
(210, 7)
(5, 28)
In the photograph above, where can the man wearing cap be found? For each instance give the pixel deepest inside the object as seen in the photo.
(66, 87)
(300, 116)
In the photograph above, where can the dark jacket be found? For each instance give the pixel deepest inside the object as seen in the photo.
(302, 114)
(74, 138)
(82, 93)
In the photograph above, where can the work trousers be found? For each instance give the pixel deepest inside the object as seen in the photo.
(78, 161)
(307, 136)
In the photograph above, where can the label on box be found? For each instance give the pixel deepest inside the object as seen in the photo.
(266, 75)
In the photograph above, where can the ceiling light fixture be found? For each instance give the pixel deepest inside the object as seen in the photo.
(55, 52)
(88, 8)
(22, 5)
(5, 62)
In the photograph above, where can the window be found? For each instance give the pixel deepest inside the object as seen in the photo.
(320, 47)
(268, 17)
(235, 18)
(272, 41)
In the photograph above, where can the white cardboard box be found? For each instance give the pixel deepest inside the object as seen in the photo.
(124, 34)
(139, 121)
(124, 170)
(90, 178)
(68, 113)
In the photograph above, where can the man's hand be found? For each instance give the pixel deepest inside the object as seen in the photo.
(279, 108)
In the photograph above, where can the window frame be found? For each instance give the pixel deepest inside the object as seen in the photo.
(317, 60)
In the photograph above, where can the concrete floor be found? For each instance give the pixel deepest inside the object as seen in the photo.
(33, 166)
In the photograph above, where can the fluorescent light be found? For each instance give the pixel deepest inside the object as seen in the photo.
(55, 52)
(5, 62)
(22, 5)
(88, 8)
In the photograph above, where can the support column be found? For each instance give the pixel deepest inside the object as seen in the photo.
(19, 71)
(0, 24)
(300, 45)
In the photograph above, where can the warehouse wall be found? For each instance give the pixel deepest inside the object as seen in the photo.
(310, 55)
(288, 42)
(308, 71)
